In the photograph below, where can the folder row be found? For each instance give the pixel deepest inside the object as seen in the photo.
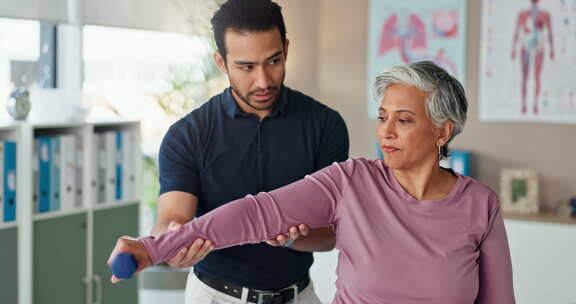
(58, 170)
(113, 177)
(57, 173)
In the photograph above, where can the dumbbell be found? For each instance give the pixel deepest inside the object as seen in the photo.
(124, 266)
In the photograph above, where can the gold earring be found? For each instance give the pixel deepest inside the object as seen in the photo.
(440, 152)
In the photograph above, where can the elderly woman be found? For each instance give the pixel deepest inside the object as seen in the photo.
(408, 230)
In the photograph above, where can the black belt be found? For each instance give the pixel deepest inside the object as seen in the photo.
(262, 297)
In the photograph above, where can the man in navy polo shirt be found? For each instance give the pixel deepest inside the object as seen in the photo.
(257, 135)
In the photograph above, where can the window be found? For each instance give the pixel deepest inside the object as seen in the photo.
(155, 77)
(27, 56)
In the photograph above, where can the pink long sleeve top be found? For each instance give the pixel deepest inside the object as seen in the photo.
(393, 248)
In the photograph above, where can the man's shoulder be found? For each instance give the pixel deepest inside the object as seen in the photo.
(195, 119)
(208, 108)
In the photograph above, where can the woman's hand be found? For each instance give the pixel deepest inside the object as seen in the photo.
(132, 246)
(293, 234)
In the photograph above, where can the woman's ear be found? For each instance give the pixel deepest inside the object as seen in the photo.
(445, 132)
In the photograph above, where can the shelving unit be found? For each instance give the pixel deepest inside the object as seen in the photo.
(60, 256)
(541, 217)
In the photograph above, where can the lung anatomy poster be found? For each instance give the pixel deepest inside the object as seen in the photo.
(414, 30)
(527, 61)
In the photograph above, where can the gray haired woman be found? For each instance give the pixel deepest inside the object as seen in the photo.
(408, 230)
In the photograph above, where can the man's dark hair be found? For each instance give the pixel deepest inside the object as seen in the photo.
(246, 16)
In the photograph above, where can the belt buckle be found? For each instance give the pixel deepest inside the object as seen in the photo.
(295, 291)
(263, 296)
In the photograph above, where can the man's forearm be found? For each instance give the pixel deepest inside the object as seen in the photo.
(319, 239)
(160, 228)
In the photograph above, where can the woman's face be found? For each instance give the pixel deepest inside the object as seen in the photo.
(406, 134)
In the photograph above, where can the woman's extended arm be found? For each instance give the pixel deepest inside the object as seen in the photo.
(253, 219)
(495, 264)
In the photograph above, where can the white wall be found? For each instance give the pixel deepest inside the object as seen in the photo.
(302, 25)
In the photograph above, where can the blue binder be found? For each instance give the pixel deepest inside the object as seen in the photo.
(119, 154)
(460, 161)
(9, 181)
(45, 155)
(55, 164)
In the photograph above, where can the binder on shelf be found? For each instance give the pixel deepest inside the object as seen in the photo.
(110, 166)
(101, 148)
(135, 157)
(35, 176)
(119, 178)
(45, 156)
(79, 199)
(2, 182)
(68, 172)
(94, 177)
(9, 181)
(55, 167)
(128, 165)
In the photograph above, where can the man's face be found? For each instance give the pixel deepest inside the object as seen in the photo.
(255, 64)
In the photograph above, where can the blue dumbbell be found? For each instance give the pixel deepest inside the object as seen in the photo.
(124, 266)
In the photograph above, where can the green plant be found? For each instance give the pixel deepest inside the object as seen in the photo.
(150, 179)
(188, 86)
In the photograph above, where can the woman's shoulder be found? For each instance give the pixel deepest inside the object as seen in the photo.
(479, 191)
(354, 166)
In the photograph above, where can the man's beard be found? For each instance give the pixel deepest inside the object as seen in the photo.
(246, 99)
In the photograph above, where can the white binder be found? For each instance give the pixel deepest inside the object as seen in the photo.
(68, 172)
(79, 152)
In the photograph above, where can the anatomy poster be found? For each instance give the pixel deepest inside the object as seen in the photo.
(528, 62)
(415, 30)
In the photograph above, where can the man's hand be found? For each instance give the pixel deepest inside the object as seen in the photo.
(130, 245)
(187, 257)
(293, 234)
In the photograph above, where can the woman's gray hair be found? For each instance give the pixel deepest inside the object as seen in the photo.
(446, 99)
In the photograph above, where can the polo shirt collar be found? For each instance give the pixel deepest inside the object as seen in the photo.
(234, 111)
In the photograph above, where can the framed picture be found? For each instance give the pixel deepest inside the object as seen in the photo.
(519, 191)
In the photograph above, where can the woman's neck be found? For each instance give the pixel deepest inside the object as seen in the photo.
(427, 182)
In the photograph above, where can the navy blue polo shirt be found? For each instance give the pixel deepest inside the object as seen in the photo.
(220, 153)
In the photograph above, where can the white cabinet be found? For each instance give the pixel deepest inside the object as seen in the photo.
(543, 261)
(56, 256)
